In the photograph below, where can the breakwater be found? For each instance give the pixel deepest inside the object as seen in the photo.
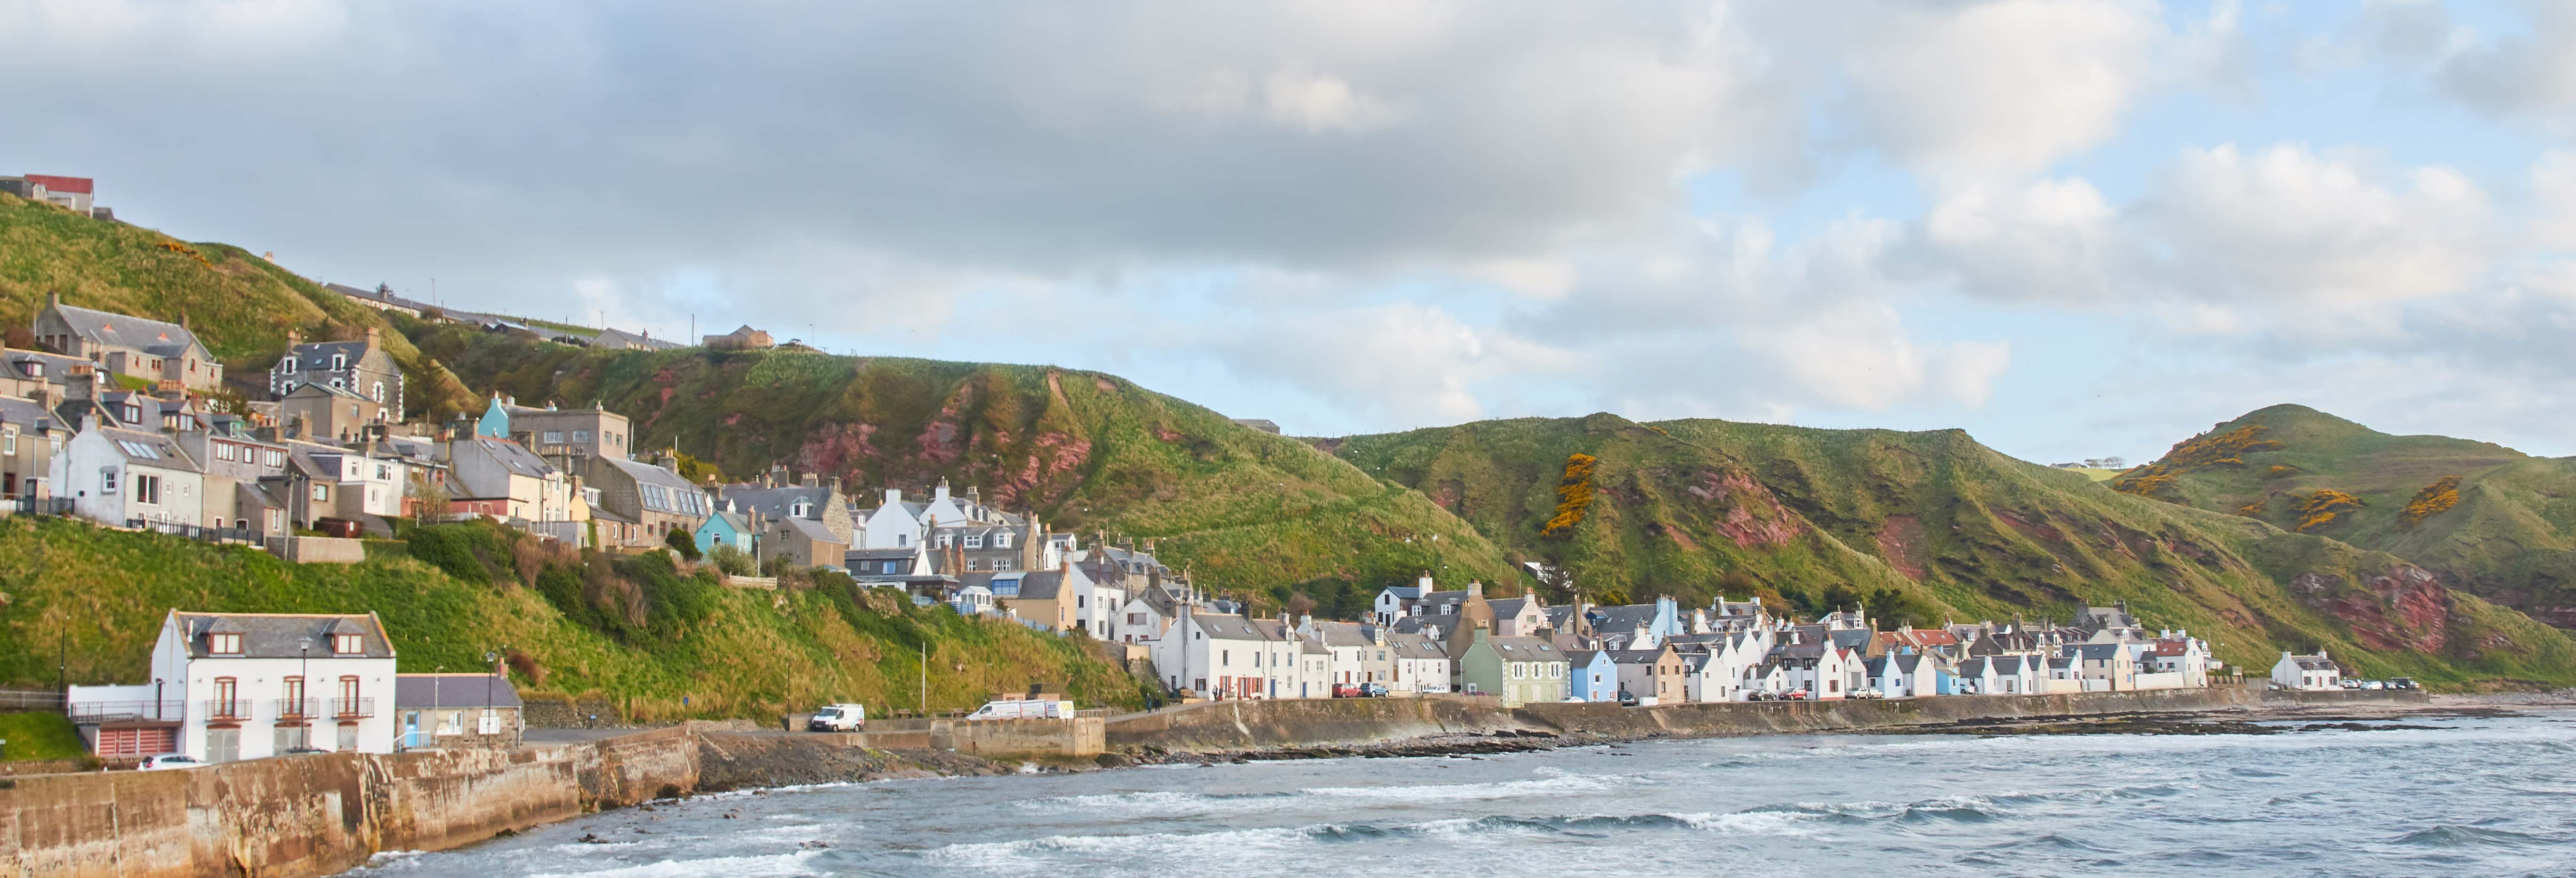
(322, 814)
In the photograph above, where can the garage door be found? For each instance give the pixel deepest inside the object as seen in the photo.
(137, 742)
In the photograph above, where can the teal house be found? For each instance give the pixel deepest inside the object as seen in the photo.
(726, 528)
(495, 423)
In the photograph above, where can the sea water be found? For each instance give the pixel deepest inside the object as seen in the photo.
(2473, 796)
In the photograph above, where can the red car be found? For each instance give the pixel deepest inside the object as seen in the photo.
(1346, 690)
(1797, 694)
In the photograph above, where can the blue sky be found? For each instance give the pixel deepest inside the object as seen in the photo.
(2075, 228)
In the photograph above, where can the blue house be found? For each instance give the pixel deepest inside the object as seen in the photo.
(1593, 676)
(725, 528)
(495, 423)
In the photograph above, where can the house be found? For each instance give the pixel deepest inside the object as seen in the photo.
(813, 499)
(363, 368)
(1397, 601)
(569, 437)
(726, 527)
(1974, 676)
(229, 686)
(1636, 626)
(446, 711)
(2307, 672)
(235, 462)
(1358, 653)
(163, 353)
(119, 477)
(1419, 664)
(973, 600)
(621, 340)
(1523, 670)
(654, 497)
(76, 193)
(37, 375)
(1901, 675)
(2106, 666)
(328, 481)
(2017, 674)
(499, 477)
(1524, 616)
(381, 298)
(1049, 600)
(325, 413)
(742, 339)
(31, 435)
(2180, 654)
(801, 542)
(1651, 676)
(1224, 655)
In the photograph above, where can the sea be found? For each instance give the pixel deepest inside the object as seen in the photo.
(2419, 795)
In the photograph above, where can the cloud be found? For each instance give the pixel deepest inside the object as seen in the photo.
(1404, 362)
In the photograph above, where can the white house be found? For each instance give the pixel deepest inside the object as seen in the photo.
(229, 686)
(1228, 656)
(1420, 664)
(894, 525)
(2307, 672)
(2177, 652)
(2017, 674)
(503, 478)
(1397, 601)
(115, 476)
(1901, 675)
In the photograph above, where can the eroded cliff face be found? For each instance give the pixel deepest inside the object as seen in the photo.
(2405, 608)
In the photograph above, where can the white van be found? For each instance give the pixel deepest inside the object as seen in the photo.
(1022, 708)
(839, 718)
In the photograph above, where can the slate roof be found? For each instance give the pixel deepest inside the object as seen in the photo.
(316, 356)
(453, 690)
(2095, 652)
(2006, 665)
(1222, 626)
(1033, 585)
(162, 452)
(281, 635)
(1525, 649)
(1975, 667)
(811, 530)
(1629, 617)
(26, 414)
(127, 331)
(515, 457)
(774, 502)
(648, 474)
(1506, 607)
(57, 366)
(622, 340)
(1636, 656)
(1343, 634)
(2305, 662)
(1415, 646)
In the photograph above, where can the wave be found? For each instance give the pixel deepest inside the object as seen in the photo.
(1594, 826)
(2452, 836)
(778, 866)
(1174, 802)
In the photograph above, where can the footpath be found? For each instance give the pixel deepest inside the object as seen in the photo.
(321, 814)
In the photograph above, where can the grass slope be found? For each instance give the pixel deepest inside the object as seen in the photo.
(1088, 452)
(240, 305)
(97, 597)
(2506, 529)
(1685, 507)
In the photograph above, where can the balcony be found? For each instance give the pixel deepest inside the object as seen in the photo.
(298, 708)
(352, 708)
(227, 709)
(106, 712)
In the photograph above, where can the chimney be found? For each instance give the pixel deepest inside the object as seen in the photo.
(53, 298)
(939, 493)
(893, 496)
(1475, 589)
(810, 480)
(975, 494)
(1424, 584)
(833, 484)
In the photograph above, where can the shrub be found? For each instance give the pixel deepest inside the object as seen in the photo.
(1573, 494)
(683, 542)
(733, 561)
(2199, 452)
(2435, 499)
(2319, 509)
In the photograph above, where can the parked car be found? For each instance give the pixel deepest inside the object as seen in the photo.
(169, 761)
(1373, 690)
(1797, 695)
(1346, 690)
(838, 718)
(1627, 699)
(1576, 699)
(2401, 682)
(2352, 684)
(299, 751)
(1867, 693)
(2373, 684)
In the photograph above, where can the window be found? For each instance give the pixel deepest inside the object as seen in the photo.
(223, 451)
(288, 364)
(35, 370)
(338, 384)
(487, 722)
(974, 541)
(9, 441)
(946, 540)
(1002, 540)
(147, 489)
(353, 411)
(221, 643)
(133, 414)
(581, 435)
(901, 540)
(339, 362)
(379, 393)
(348, 644)
(553, 437)
(451, 722)
(384, 473)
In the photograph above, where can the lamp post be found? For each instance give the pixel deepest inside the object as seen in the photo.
(303, 674)
(493, 658)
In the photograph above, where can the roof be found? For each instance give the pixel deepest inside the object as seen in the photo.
(1636, 656)
(515, 457)
(1627, 617)
(128, 331)
(316, 356)
(56, 366)
(71, 185)
(1344, 634)
(1975, 667)
(1507, 606)
(2305, 662)
(1527, 649)
(453, 690)
(148, 449)
(1416, 646)
(618, 338)
(1223, 626)
(881, 554)
(25, 413)
(2094, 652)
(774, 502)
(327, 390)
(648, 474)
(811, 530)
(282, 635)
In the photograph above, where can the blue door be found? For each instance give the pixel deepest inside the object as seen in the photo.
(411, 729)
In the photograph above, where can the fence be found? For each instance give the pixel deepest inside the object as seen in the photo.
(30, 700)
(193, 532)
(93, 712)
(38, 505)
(570, 533)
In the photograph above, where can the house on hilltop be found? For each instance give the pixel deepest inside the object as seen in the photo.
(362, 367)
(163, 353)
(742, 339)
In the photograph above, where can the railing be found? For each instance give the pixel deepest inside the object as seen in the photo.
(41, 505)
(352, 708)
(128, 711)
(298, 708)
(30, 699)
(227, 709)
(194, 532)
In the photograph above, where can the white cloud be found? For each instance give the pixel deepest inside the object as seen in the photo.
(2054, 239)
(2290, 223)
(1858, 356)
(1405, 363)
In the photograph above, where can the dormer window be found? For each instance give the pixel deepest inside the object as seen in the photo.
(221, 643)
(288, 364)
(1002, 540)
(133, 414)
(974, 541)
(35, 369)
(339, 362)
(347, 644)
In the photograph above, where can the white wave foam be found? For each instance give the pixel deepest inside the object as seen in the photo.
(1550, 781)
(779, 866)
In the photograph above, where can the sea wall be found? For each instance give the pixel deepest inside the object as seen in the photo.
(324, 813)
(1226, 726)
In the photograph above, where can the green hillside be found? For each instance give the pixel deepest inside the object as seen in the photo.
(2489, 519)
(1931, 524)
(637, 630)
(1245, 510)
(240, 305)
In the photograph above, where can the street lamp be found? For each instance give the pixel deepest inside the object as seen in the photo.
(492, 658)
(303, 672)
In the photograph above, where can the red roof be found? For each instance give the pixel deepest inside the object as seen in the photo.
(69, 185)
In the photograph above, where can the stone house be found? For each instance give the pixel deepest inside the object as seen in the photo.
(330, 413)
(362, 368)
(166, 354)
(742, 339)
(1652, 676)
(502, 478)
(801, 542)
(31, 435)
(568, 438)
(655, 498)
(436, 711)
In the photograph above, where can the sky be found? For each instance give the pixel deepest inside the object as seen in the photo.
(2074, 228)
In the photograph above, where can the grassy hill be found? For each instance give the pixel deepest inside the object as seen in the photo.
(1933, 523)
(240, 305)
(638, 631)
(2489, 519)
(1088, 452)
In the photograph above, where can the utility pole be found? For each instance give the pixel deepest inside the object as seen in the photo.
(925, 679)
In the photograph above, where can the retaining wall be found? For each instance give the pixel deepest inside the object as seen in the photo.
(321, 814)
(318, 550)
(1255, 725)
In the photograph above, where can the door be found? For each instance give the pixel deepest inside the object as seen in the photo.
(411, 729)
